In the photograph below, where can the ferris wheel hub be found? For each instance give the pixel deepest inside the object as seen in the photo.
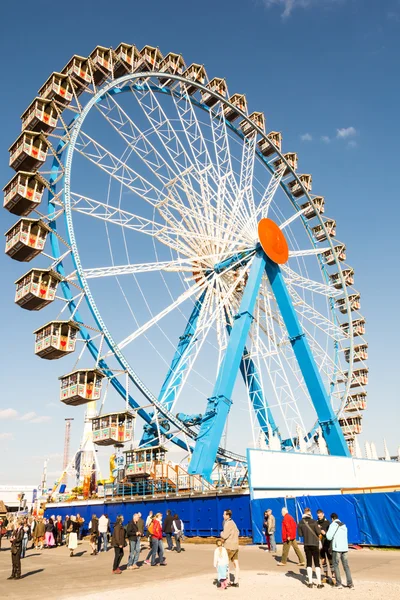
(273, 241)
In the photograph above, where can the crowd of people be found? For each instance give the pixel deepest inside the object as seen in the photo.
(325, 542)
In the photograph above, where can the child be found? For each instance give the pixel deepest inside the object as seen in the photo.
(221, 563)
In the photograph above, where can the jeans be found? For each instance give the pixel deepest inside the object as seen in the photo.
(286, 548)
(103, 536)
(118, 554)
(24, 545)
(168, 537)
(178, 538)
(134, 551)
(157, 546)
(271, 542)
(337, 557)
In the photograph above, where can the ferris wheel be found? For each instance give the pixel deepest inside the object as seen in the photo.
(188, 258)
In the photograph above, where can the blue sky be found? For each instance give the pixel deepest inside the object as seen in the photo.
(325, 72)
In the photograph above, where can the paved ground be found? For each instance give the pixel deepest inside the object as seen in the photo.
(189, 575)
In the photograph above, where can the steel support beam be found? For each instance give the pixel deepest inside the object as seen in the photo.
(328, 421)
(218, 406)
(173, 379)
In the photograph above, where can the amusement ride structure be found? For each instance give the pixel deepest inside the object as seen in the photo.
(194, 270)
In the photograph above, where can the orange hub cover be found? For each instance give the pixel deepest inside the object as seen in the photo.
(273, 241)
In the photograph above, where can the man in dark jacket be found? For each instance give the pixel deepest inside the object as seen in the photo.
(167, 529)
(16, 549)
(118, 543)
(133, 535)
(325, 551)
(309, 530)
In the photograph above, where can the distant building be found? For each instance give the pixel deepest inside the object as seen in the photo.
(18, 496)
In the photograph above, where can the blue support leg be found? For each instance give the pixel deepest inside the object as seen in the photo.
(252, 380)
(173, 379)
(218, 405)
(328, 421)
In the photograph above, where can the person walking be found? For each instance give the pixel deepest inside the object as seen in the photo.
(25, 538)
(94, 534)
(16, 549)
(230, 536)
(80, 520)
(167, 529)
(309, 530)
(289, 529)
(66, 525)
(104, 526)
(73, 531)
(325, 549)
(39, 534)
(270, 528)
(58, 527)
(337, 534)
(221, 563)
(118, 543)
(3, 528)
(133, 534)
(149, 525)
(149, 520)
(177, 530)
(49, 533)
(157, 545)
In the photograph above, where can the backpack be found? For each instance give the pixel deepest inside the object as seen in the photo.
(150, 528)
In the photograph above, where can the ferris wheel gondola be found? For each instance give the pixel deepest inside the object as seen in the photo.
(132, 142)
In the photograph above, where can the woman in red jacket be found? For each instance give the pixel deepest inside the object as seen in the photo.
(289, 529)
(156, 542)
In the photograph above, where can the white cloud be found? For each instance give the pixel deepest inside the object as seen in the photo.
(43, 419)
(6, 436)
(306, 137)
(8, 413)
(28, 416)
(326, 139)
(289, 6)
(346, 132)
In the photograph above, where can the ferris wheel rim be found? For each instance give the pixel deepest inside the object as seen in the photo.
(133, 76)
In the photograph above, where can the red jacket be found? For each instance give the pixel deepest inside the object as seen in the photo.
(289, 528)
(157, 529)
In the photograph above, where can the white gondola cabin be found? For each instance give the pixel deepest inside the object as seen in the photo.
(26, 239)
(356, 402)
(339, 252)
(359, 377)
(36, 289)
(296, 188)
(360, 353)
(348, 276)
(149, 60)
(56, 339)
(311, 211)
(354, 300)
(271, 143)
(319, 232)
(196, 73)
(102, 60)
(23, 193)
(141, 463)
(81, 386)
(358, 327)
(41, 115)
(258, 119)
(291, 159)
(28, 152)
(113, 428)
(126, 59)
(238, 101)
(59, 87)
(172, 63)
(79, 71)
(217, 85)
(351, 425)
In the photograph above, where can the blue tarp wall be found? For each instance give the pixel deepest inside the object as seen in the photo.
(201, 516)
(371, 519)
